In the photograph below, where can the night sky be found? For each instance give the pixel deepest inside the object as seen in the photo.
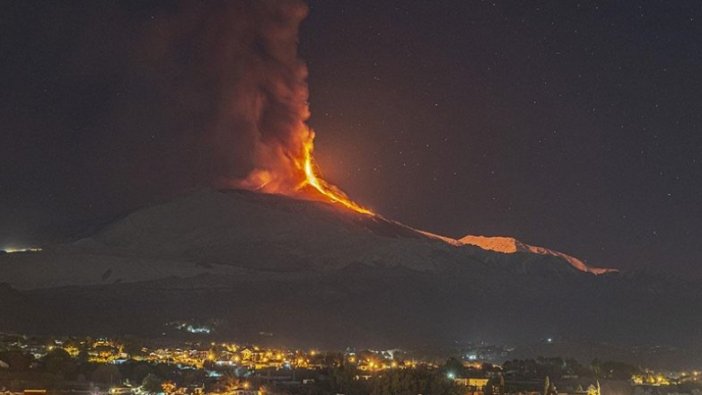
(571, 125)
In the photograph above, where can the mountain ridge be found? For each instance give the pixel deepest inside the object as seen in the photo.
(232, 230)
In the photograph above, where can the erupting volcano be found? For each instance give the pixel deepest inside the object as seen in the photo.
(310, 184)
(262, 125)
(265, 109)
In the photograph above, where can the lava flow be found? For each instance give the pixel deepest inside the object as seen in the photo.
(326, 189)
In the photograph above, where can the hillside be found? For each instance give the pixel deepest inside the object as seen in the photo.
(227, 232)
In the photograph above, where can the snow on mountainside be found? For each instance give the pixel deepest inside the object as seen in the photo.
(510, 245)
(234, 232)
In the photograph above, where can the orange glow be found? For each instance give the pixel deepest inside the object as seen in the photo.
(297, 174)
(328, 190)
(510, 245)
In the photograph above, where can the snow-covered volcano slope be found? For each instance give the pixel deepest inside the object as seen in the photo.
(235, 232)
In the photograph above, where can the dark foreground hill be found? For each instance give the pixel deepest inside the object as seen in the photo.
(306, 273)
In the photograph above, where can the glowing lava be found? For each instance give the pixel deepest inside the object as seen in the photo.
(328, 190)
(265, 105)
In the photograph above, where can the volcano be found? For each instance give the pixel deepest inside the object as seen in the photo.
(313, 273)
(226, 232)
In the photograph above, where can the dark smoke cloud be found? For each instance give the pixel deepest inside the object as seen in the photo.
(245, 55)
(107, 105)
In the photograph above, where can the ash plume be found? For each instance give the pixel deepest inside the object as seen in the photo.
(220, 80)
(259, 139)
(262, 94)
(152, 99)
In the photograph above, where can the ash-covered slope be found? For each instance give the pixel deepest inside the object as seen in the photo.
(231, 232)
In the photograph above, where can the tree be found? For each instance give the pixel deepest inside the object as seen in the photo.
(342, 379)
(17, 360)
(151, 384)
(60, 363)
(139, 372)
(106, 374)
(618, 370)
(454, 366)
(413, 381)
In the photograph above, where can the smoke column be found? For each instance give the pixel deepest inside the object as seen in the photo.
(248, 51)
(257, 138)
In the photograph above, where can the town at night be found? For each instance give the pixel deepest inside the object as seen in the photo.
(86, 365)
